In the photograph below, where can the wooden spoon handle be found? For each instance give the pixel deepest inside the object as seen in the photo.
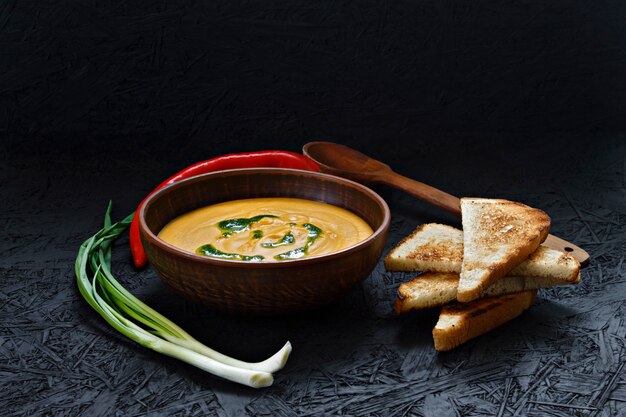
(424, 192)
(452, 204)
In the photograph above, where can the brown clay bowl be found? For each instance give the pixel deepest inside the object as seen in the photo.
(241, 287)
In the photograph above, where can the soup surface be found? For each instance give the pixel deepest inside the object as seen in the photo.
(266, 229)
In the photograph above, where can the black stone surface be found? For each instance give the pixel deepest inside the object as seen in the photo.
(101, 101)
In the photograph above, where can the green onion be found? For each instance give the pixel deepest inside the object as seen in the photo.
(134, 319)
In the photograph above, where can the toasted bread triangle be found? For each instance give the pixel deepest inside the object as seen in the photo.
(435, 289)
(430, 247)
(439, 248)
(498, 235)
(459, 323)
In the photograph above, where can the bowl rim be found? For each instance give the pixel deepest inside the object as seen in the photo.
(155, 240)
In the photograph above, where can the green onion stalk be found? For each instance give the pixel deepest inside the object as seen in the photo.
(137, 321)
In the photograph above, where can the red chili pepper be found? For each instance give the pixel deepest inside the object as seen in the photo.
(261, 159)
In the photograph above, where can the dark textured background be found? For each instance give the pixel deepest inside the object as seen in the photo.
(257, 69)
(102, 100)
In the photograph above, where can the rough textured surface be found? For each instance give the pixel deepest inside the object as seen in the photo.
(102, 100)
(564, 356)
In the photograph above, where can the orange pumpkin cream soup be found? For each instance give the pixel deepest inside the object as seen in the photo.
(266, 229)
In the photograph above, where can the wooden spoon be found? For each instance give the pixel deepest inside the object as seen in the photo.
(346, 162)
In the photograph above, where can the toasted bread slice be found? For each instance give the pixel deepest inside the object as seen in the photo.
(434, 289)
(431, 247)
(459, 323)
(431, 289)
(498, 235)
(437, 247)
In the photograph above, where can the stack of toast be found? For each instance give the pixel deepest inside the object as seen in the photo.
(482, 276)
